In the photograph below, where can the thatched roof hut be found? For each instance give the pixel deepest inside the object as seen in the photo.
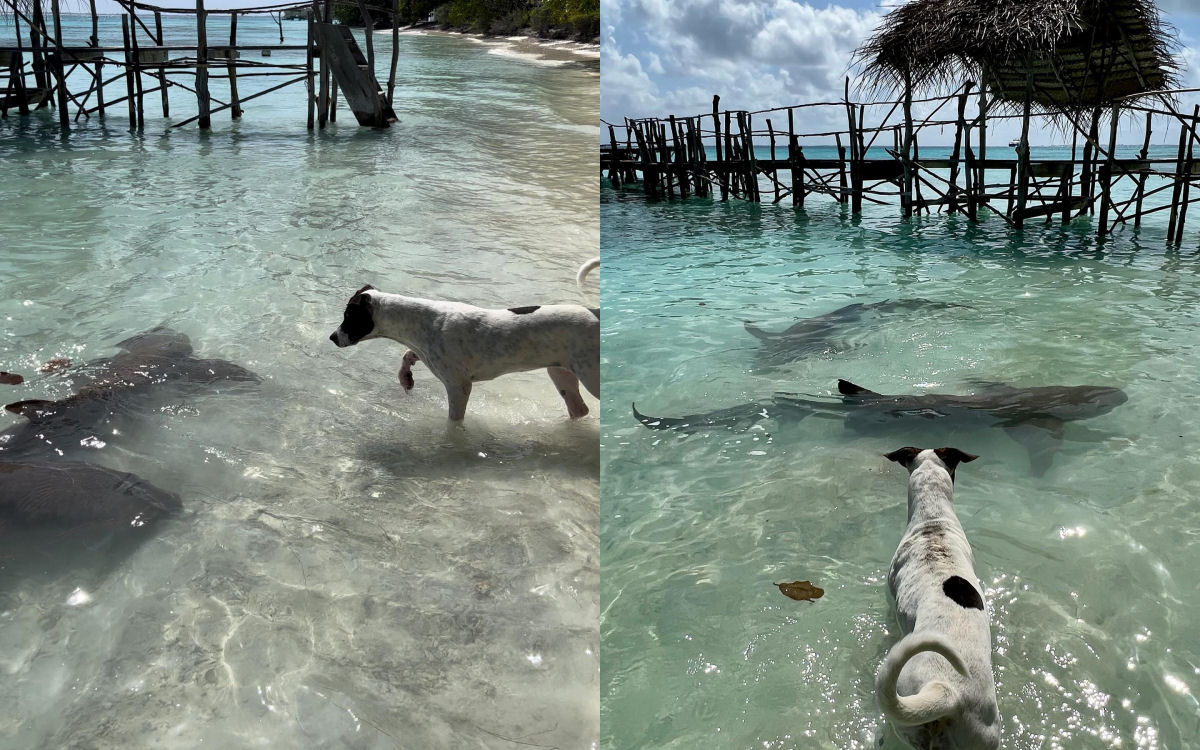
(1074, 53)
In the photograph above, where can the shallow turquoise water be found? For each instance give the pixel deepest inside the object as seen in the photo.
(1088, 568)
(347, 571)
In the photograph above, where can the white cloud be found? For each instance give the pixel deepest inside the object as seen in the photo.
(753, 53)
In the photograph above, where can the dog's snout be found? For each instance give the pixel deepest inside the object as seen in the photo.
(333, 337)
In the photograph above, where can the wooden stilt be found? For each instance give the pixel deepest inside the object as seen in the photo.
(906, 195)
(138, 87)
(235, 104)
(1106, 174)
(202, 97)
(1188, 165)
(1177, 181)
(64, 120)
(717, 144)
(162, 71)
(1142, 174)
(1023, 154)
(310, 78)
(981, 177)
(129, 90)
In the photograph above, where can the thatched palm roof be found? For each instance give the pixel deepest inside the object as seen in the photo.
(1078, 53)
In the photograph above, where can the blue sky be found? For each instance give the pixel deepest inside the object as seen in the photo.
(670, 56)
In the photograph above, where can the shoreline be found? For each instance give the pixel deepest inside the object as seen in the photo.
(544, 50)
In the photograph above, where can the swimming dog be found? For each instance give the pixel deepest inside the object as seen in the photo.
(462, 344)
(935, 686)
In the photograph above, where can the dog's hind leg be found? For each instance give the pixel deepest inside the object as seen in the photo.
(568, 387)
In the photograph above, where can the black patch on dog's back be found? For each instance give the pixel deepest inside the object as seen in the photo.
(962, 592)
(523, 310)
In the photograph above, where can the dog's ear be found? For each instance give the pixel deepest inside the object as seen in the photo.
(361, 299)
(953, 457)
(903, 456)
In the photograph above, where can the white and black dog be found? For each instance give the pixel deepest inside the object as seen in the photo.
(935, 686)
(462, 344)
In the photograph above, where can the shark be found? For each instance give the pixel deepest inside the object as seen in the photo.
(821, 334)
(109, 386)
(1038, 412)
(64, 494)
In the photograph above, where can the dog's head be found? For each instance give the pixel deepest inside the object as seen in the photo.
(910, 458)
(358, 321)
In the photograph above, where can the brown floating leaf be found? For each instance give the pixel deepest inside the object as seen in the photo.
(55, 365)
(801, 591)
(11, 378)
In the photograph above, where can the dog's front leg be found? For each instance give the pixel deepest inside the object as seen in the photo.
(458, 394)
(406, 376)
(568, 387)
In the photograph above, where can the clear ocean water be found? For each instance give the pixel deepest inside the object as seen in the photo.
(1088, 567)
(348, 571)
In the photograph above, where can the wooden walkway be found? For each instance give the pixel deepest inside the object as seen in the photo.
(759, 157)
(40, 70)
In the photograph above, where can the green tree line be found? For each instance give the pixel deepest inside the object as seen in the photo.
(553, 18)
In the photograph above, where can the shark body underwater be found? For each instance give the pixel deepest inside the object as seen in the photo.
(822, 334)
(1022, 412)
(41, 484)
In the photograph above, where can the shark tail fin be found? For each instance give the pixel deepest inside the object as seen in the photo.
(31, 409)
(846, 388)
(936, 698)
(757, 332)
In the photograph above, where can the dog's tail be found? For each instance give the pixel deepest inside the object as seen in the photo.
(585, 269)
(936, 698)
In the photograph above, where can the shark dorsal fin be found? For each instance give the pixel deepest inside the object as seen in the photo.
(31, 409)
(160, 342)
(846, 388)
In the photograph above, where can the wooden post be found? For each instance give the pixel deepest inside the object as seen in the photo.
(1179, 175)
(906, 197)
(751, 161)
(202, 97)
(775, 179)
(1187, 176)
(717, 141)
(961, 133)
(129, 95)
(395, 50)
(680, 160)
(855, 155)
(368, 29)
(18, 71)
(1141, 188)
(37, 43)
(235, 104)
(64, 120)
(1023, 152)
(981, 177)
(727, 177)
(310, 79)
(798, 169)
(1106, 179)
(841, 168)
(137, 70)
(162, 71)
(614, 163)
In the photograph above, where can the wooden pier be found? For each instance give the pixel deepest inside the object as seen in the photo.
(1076, 65)
(760, 157)
(41, 71)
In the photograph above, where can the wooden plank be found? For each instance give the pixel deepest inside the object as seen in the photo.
(358, 86)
